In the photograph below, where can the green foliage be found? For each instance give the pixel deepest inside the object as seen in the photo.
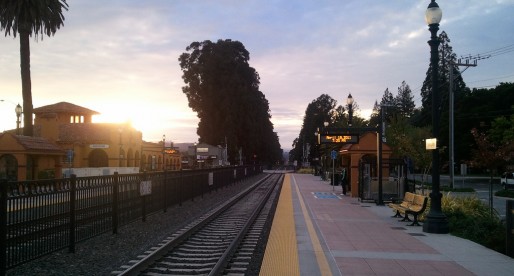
(224, 91)
(34, 17)
(470, 218)
(323, 109)
(479, 109)
(46, 174)
(458, 190)
(489, 153)
(407, 140)
(505, 193)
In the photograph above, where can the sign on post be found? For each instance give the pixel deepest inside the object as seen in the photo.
(145, 188)
(333, 154)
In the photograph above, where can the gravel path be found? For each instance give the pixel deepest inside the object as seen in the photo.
(107, 252)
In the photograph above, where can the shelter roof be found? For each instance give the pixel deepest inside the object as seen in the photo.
(34, 144)
(64, 107)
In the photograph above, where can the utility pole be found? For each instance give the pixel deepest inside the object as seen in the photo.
(451, 119)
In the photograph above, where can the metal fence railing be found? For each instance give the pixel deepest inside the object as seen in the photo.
(42, 216)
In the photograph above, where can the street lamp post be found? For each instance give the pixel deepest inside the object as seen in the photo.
(163, 152)
(325, 124)
(18, 111)
(120, 155)
(349, 102)
(436, 222)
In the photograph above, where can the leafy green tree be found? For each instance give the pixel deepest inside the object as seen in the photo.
(27, 17)
(323, 109)
(477, 109)
(502, 130)
(223, 89)
(408, 141)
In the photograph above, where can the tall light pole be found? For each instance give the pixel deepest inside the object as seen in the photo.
(349, 102)
(436, 222)
(18, 111)
(120, 155)
(163, 152)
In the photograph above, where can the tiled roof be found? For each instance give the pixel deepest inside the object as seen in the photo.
(38, 144)
(64, 107)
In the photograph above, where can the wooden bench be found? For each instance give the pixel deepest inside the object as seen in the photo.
(418, 207)
(412, 204)
(400, 208)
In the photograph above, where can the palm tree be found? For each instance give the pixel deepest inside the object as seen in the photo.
(28, 17)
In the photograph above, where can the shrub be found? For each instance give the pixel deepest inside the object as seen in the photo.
(46, 174)
(471, 219)
(461, 190)
(505, 193)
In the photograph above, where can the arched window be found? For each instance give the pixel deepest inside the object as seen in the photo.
(136, 159)
(122, 159)
(143, 162)
(98, 158)
(8, 167)
(130, 158)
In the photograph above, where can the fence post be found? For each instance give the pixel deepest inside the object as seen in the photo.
(115, 203)
(165, 183)
(73, 197)
(3, 226)
(143, 200)
(510, 228)
(179, 187)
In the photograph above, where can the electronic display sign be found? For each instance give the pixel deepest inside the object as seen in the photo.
(342, 139)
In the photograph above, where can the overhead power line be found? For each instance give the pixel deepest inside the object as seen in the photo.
(489, 54)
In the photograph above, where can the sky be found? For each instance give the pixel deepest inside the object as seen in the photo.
(120, 57)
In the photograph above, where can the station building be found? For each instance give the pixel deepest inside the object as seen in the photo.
(66, 142)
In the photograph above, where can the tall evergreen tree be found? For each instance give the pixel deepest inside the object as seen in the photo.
(387, 98)
(389, 103)
(374, 118)
(447, 62)
(224, 91)
(404, 101)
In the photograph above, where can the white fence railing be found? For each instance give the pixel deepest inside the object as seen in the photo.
(82, 172)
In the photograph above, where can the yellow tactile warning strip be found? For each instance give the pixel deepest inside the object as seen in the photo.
(281, 256)
(324, 268)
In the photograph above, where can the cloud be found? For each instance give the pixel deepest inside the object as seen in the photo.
(123, 54)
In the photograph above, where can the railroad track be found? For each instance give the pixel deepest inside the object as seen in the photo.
(220, 242)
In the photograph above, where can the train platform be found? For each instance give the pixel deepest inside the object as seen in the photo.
(318, 231)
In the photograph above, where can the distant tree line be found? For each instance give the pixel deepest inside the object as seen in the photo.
(479, 115)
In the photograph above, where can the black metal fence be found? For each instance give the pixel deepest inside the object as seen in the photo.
(509, 219)
(43, 216)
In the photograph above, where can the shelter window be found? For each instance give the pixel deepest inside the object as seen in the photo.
(77, 119)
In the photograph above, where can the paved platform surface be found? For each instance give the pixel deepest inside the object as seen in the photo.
(317, 231)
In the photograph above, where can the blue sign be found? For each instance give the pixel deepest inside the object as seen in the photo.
(69, 155)
(333, 154)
